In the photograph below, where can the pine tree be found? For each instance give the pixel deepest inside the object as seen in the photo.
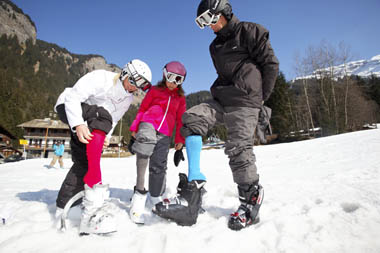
(279, 103)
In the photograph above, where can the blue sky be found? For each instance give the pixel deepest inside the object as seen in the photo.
(164, 30)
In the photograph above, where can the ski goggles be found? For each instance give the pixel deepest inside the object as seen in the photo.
(207, 18)
(135, 78)
(173, 77)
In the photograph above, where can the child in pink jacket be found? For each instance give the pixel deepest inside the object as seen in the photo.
(160, 111)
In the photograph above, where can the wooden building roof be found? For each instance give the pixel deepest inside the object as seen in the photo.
(44, 123)
(5, 132)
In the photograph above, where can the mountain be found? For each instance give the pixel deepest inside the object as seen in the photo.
(361, 68)
(13, 21)
(34, 72)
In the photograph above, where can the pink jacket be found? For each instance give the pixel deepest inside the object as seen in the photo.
(162, 108)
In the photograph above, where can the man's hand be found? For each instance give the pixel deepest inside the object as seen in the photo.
(83, 133)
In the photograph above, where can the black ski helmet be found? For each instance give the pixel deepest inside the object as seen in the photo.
(215, 7)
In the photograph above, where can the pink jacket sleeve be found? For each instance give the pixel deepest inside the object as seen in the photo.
(145, 104)
(181, 109)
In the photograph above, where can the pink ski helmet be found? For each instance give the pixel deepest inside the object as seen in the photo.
(174, 71)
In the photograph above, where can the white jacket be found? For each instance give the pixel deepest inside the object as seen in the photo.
(101, 88)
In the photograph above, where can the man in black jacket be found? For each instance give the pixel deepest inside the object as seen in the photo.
(247, 70)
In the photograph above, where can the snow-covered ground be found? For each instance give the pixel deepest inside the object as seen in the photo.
(321, 195)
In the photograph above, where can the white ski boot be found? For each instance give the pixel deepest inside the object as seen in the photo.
(57, 217)
(138, 207)
(96, 216)
(155, 200)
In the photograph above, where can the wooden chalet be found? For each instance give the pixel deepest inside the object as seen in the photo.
(42, 134)
(5, 137)
(6, 149)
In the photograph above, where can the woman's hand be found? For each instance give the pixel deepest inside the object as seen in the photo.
(83, 133)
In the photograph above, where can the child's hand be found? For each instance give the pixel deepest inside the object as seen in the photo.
(106, 142)
(178, 146)
(178, 156)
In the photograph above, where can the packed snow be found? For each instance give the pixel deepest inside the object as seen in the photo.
(321, 195)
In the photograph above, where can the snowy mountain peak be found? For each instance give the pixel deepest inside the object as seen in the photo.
(376, 58)
(362, 68)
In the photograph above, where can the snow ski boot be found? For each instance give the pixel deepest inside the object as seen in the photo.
(138, 206)
(251, 197)
(184, 208)
(96, 216)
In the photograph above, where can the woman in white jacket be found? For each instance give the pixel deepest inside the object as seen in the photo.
(92, 108)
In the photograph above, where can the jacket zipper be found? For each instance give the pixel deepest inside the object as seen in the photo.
(167, 108)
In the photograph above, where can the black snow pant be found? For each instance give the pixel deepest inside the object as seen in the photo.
(157, 167)
(97, 118)
(240, 123)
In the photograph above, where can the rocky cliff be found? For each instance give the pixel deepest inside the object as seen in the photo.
(13, 22)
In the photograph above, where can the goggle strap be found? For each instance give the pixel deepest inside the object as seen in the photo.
(135, 77)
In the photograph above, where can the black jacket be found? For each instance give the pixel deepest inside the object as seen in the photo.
(246, 65)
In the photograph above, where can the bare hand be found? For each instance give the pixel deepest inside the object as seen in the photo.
(178, 146)
(133, 134)
(83, 133)
(106, 142)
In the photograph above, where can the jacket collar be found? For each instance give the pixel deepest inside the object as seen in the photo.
(228, 29)
(171, 92)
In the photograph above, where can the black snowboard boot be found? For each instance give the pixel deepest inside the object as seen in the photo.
(251, 197)
(184, 208)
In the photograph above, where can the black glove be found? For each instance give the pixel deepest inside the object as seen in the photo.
(178, 156)
(131, 141)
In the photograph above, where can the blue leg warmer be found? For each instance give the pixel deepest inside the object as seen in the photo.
(193, 150)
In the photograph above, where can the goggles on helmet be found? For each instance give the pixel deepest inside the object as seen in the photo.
(135, 78)
(207, 18)
(173, 77)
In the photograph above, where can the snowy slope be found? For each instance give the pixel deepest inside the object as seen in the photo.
(321, 195)
(362, 68)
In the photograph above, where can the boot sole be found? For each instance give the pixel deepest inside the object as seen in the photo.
(100, 234)
(238, 227)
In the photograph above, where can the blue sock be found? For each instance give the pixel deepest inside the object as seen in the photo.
(193, 151)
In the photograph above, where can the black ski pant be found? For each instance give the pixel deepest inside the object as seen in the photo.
(240, 123)
(97, 118)
(158, 166)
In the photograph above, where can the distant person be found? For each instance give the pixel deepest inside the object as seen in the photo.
(247, 70)
(92, 108)
(160, 112)
(59, 149)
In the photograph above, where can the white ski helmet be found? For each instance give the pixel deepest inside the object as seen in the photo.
(138, 72)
